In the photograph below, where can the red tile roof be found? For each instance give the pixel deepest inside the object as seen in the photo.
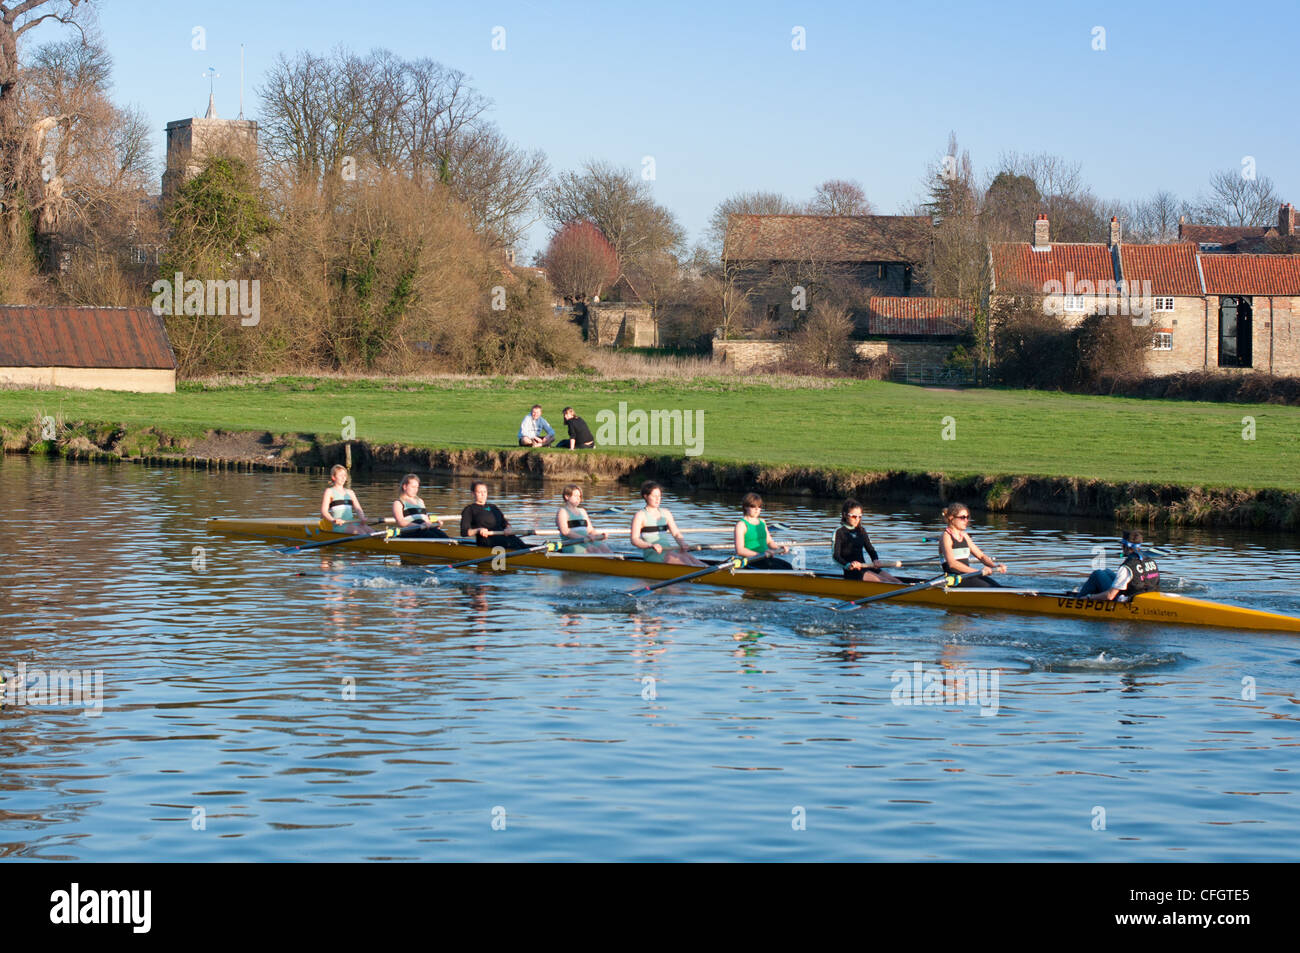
(1251, 274)
(84, 337)
(1018, 265)
(837, 238)
(1171, 269)
(933, 316)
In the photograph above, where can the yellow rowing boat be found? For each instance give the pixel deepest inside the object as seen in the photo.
(1163, 607)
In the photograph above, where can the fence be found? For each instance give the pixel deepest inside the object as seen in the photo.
(911, 372)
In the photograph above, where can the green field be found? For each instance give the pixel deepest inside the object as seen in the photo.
(858, 425)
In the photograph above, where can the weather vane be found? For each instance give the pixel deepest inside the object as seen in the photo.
(212, 75)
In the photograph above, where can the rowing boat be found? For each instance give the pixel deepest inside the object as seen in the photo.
(1161, 607)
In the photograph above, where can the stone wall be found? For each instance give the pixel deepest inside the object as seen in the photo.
(92, 378)
(748, 355)
(614, 324)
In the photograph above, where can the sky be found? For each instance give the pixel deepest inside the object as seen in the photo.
(1145, 96)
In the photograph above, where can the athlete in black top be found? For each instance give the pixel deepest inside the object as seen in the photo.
(580, 437)
(853, 545)
(486, 523)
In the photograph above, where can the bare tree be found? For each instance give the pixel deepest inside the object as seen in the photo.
(840, 197)
(1239, 201)
(1154, 219)
(743, 203)
(498, 182)
(22, 137)
(619, 203)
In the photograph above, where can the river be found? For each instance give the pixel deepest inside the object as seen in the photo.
(237, 704)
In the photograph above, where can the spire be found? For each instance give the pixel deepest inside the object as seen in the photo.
(212, 107)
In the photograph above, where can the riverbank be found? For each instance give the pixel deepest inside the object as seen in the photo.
(1007, 451)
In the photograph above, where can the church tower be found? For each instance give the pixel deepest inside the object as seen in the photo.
(191, 141)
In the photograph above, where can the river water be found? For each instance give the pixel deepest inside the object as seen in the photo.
(223, 702)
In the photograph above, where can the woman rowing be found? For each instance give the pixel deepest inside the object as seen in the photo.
(754, 540)
(410, 517)
(649, 526)
(486, 523)
(339, 506)
(956, 548)
(574, 524)
(853, 546)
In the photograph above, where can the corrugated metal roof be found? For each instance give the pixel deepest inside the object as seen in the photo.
(833, 238)
(1251, 274)
(930, 316)
(84, 337)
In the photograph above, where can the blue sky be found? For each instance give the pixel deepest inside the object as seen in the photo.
(716, 94)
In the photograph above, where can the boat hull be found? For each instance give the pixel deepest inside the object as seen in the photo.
(1161, 607)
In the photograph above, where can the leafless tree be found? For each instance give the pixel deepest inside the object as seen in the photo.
(22, 136)
(498, 182)
(620, 204)
(840, 197)
(1154, 219)
(1236, 200)
(743, 203)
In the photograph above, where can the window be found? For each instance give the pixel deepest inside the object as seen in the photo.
(1164, 304)
(882, 272)
(1163, 340)
(1073, 303)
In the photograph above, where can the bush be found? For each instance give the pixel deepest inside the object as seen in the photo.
(824, 339)
(1032, 349)
(1111, 350)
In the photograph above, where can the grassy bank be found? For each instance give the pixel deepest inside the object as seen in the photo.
(829, 425)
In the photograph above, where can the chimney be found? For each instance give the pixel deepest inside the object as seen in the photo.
(1114, 231)
(1286, 220)
(1040, 231)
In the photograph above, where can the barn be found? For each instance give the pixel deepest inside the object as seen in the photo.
(91, 348)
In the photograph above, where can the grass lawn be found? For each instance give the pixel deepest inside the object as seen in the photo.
(860, 425)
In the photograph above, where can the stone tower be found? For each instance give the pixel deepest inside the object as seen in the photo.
(191, 141)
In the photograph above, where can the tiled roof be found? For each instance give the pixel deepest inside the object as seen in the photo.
(1251, 274)
(935, 316)
(1222, 234)
(1171, 269)
(837, 238)
(84, 337)
(1018, 265)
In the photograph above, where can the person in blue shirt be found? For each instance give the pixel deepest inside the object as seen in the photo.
(534, 431)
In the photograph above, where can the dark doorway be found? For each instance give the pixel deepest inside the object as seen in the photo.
(1235, 332)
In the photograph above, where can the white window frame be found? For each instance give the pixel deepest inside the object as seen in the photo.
(1163, 340)
(1164, 303)
(1074, 304)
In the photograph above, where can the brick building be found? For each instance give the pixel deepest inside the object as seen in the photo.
(1207, 311)
(1228, 239)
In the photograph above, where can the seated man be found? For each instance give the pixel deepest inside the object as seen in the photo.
(579, 433)
(534, 431)
(1135, 574)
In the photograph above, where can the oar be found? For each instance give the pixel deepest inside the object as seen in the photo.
(319, 544)
(543, 548)
(927, 584)
(733, 563)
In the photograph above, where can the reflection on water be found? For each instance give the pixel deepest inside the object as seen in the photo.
(335, 705)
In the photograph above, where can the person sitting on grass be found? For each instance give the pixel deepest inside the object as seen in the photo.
(534, 431)
(580, 437)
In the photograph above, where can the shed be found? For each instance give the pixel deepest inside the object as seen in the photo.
(86, 347)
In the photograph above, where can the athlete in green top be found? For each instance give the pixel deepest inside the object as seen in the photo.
(753, 539)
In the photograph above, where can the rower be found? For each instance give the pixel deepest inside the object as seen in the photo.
(410, 517)
(956, 548)
(574, 523)
(340, 506)
(853, 546)
(754, 540)
(1137, 573)
(485, 523)
(649, 526)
